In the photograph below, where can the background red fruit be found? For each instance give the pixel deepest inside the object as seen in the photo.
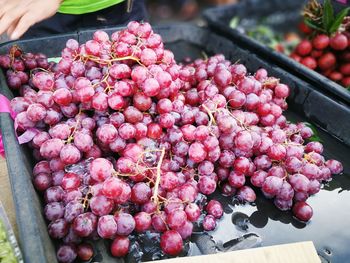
(279, 48)
(336, 76)
(327, 72)
(316, 53)
(320, 41)
(346, 82)
(345, 56)
(309, 62)
(339, 42)
(304, 48)
(296, 57)
(345, 69)
(326, 61)
(304, 28)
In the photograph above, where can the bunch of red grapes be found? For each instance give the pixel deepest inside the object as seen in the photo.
(129, 141)
(328, 55)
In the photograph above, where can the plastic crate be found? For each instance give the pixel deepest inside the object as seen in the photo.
(282, 16)
(267, 225)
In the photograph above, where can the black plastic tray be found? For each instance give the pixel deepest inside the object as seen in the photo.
(266, 225)
(282, 16)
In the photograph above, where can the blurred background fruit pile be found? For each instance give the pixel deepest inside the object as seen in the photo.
(326, 47)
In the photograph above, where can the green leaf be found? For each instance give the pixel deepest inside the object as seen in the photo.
(311, 24)
(328, 14)
(264, 31)
(315, 137)
(338, 20)
(234, 22)
(263, 34)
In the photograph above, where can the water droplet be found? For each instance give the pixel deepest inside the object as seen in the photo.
(327, 251)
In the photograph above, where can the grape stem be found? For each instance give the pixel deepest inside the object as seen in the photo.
(108, 61)
(12, 55)
(204, 55)
(156, 185)
(71, 137)
(86, 199)
(212, 119)
(271, 81)
(42, 70)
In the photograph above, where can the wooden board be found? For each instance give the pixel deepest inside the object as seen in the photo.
(302, 252)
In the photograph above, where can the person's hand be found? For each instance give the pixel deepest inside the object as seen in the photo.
(16, 16)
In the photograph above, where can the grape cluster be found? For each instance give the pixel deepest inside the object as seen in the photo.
(19, 64)
(129, 141)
